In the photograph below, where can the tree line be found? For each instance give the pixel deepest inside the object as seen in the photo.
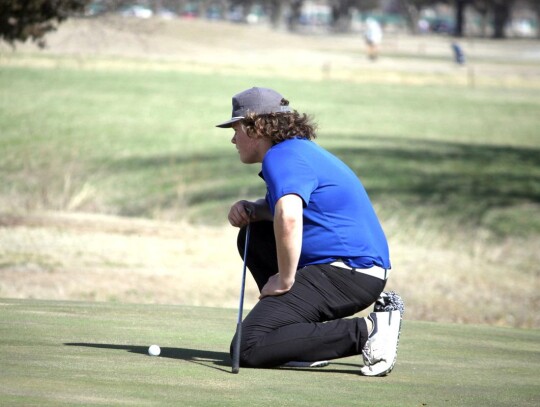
(22, 20)
(498, 11)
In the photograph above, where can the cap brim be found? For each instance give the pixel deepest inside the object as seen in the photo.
(229, 123)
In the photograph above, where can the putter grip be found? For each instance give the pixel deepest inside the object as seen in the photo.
(236, 349)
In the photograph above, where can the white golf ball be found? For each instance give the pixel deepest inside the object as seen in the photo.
(154, 350)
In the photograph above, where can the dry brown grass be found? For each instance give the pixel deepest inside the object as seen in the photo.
(55, 255)
(74, 256)
(467, 279)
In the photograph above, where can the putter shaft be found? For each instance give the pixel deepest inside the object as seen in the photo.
(238, 336)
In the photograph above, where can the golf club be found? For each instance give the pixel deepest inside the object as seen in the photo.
(236, 345)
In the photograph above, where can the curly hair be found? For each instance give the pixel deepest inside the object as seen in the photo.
(280, 126)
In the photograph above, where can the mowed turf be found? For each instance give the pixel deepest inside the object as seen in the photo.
(75, 353)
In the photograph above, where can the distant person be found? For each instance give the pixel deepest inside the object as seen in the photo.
(317, 250)
(373, 35)
(459, 55)
(423, 26)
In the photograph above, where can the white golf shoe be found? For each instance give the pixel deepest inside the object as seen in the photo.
(380, 350)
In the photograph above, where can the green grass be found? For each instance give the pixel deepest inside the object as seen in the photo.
(142, 143)
(76, 353)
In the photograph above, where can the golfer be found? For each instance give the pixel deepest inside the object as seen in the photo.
(317, 251)
(373, 35)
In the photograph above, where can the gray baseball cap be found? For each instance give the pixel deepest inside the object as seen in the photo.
(255, 100)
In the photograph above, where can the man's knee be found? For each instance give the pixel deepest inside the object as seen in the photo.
(246, 358)
(249, 356)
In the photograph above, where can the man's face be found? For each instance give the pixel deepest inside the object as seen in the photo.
(251, 150)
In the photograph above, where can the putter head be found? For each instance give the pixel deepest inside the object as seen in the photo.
(236, 349)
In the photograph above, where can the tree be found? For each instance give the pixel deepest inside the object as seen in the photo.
(21, 20)
(412, 10)
(284, 13)
(459, 7)
(500, 11)
(481, 7)
(276, 12)
(342, 12)
(536, 7)
(501, 14)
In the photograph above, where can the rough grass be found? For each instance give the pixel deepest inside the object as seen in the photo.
(76, 353)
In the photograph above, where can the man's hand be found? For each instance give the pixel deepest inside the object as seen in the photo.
(244, 212)
(239, 214)
(275, 286)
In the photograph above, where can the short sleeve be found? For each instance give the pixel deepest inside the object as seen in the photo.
(286, 172)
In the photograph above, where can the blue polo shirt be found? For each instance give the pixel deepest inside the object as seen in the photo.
(339, 220)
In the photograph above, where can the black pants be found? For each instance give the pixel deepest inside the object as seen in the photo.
(307, 323)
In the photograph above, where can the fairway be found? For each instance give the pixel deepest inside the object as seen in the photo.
(75, 353)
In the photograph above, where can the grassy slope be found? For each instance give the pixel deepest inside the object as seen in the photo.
(74, 353)
(142, 144)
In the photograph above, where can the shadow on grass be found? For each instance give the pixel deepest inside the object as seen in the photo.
(221, 360)
(333, 367)
(463, 181)
(201, 357)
